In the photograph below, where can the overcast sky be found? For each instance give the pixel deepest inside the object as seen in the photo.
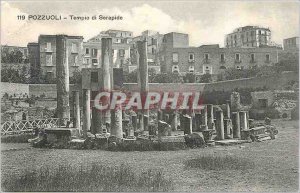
(206, 22)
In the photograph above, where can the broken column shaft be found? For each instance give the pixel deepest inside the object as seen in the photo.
(62, 76)
(236, 125)
(116, 125)
(204, 119)
(243, 120)
(96, 121)
(210, 116)
(219, 125)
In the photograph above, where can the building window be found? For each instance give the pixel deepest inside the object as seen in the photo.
(175, 69)
(94, 76)
(252, 58)
(267, 57)
(94, 52)
(76, 60)
(49, 60)
(175, 57)
(191, 69)
(121, 52)
(87, 51)
(222, 57)
(206, 58)
(95, 61)
(74, 48)
(237, 58)
(153, 51)
(191, 57)
(48, 46)
(87, 61)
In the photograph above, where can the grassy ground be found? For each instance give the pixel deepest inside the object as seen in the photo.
(273, 164)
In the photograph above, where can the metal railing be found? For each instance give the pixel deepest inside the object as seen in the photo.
(26, 126)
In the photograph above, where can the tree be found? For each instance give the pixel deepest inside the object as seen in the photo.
(131, 77)
(206, 78)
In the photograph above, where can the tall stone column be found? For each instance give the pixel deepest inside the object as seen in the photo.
(107, 65)
(116, 125)
(243, 120)
(235, 101)
(236, 125)
(86, 111)
(228, 109)
(159, 115)
(204, 119)
(210, 116)
(143, 76)
(187, 124)
(76, 109)
(228, 133)
(134, 122)
(174, 121)
(198, 121)
(96, 121)
(62, 76)
(220, 125)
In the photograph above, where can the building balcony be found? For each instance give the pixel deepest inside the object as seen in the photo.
(268, 61)
(175, 61)
(74, 51)
(191, 60)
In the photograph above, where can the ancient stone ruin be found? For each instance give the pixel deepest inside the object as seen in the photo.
(210, 126)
